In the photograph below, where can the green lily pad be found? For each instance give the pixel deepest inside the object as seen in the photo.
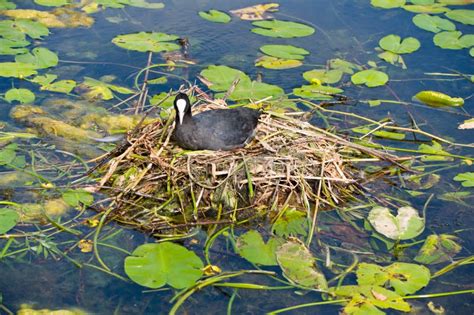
(76, 197)
(40, 57)
(8, 219)
(387, 4)
(101, 90)
(433, 24)
(406, 225)
(317, 92)
(299, 265)
(7, 5)
(435, 151)
(21, 95)
(157, 264)
(17, 69)
(343, 65)
(145, 4)
(215, 16)
(222, 77)
(291, 223)
(438, 99)
(467, 179)
(33, 29)
(453, 40)
(438, 249)
(370, 78)
(462, 16)
(47, 84)
(9, 157)
(320, 76)
(277, 63)
(143, 42)
(52, 3)
(433, 8)
(393, 43)
(284, 51)
(13, 47)
(392, 58)
(284, 29)
(404, 278)
(252, 247)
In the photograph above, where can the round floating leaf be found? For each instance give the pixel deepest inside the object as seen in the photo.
(75, 198)
(320, 76)
(317, 92)
(462, 16)
(438, 249)
(62, 86)
(291, 223)
(467, 179)
(438, 99)
(252, 247)
(406, 225)
(16, 69)
(433, 24)
(21, 95)
(158, 264)
(13, 47)
(8, 219)
(215, 16)
(393, 43)
(52, 3)
(154, 42)
(145, 4)
(449, 40)
(299, 265)
(387, 4)
(40, 57)
(277, 63)
(471, 52)
(254, 90)
(6, 5)
(284, 51)
(434, 8)
(370, 78)
(284, 29)
(221, 77)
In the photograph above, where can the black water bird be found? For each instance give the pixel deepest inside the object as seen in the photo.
(216, 129)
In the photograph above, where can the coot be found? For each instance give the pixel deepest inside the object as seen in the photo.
(217, 129)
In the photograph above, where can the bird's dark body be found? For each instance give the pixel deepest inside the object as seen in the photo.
(218, 129)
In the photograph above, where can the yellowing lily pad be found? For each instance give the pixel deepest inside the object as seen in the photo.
(405, 225)
(59, 17)
(277, 63)
(438, 249)
(256, 12)
(154, 42)
(320, 76)
(284, 29)
(96, 89)
(252, 247)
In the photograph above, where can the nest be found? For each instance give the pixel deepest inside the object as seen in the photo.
(290, 163)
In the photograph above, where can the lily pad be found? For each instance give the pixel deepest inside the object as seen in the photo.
(404, 278)
(101, 90)
(299, 265)
(291, 223)
(438, 99)
(21, 95)
(438, 249)
(406, 225)
(17, 69)
(284, 51)
(284, 29)
(215, 16)
(370, 78)
(143, 42)
(453, 40)
(317, 92)
(343, 65)
(52, 3)
(40, 57)
(7, 5)
(320, 76)
(433, 24)
(462, 16)
(277, 63)
(467, 179)
(435, 152)
(76, 197)
(394, 43)
(13, 47)
(387, 4)
(8, 219)
(252, 247)
(433, 8)
(157, 264)
(33, 29)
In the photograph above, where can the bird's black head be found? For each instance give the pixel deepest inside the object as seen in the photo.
(182, 105)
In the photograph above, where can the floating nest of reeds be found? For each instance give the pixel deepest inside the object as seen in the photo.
(158, 186)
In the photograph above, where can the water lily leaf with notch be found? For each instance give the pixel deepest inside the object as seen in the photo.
(13, 47)
(52, 3)
(453, 40)
(157, 264)
(40, 57)
(462, 16)
(387, 4)
(380, 133)
(320, 76)
(222, 77)
(371, 78)
(277, 63)
(8, 219)
(76, 197)
(404, 278)
(284, 29)
(17, 69)
(438, 249)
(215, 16)
(435, 152)
(47, 84)
(317, 92)
(406, 225)
(467, 179)
(433, 24)
(33, 29)
(7, 5)
(343, 65)
(254, 90)
(256, 12)
(145, 4)
(438, 99)
(284, 51)
(392, 58)
(21, 95)
(252, 247)
(102, 90)
(299, 265)
(9, 157)
(291, 223)
(143, 42)
(395, 44)
(434, 8)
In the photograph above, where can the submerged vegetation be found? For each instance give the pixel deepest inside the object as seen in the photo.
(330, 205)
